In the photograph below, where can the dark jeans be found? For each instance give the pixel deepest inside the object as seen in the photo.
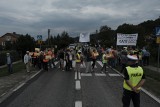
(93, 64)
(67, 66)
(128, 95)
(10, 70)
(45, 66)
(104, 66)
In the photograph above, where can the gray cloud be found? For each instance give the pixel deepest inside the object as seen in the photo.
(74, 16)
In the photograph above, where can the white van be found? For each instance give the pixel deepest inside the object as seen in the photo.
(72, 46)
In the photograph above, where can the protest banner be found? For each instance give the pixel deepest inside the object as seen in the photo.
(127, 39)
(84, 37)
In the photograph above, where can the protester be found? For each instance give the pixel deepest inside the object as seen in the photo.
(78, 60)
(94, 57)
(104, 61)
(53, 58)
(27, 61)
(147, 56)
(46, 59)
(40, 60)
(61, 59)
(88, 59)
(67, 54)
(9, 63)
(123, 60)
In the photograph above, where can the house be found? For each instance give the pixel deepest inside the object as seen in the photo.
(8, 37)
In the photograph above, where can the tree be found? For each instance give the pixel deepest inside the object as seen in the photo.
(25, 43)
(106, 36)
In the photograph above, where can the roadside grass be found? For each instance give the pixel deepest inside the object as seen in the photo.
(16, 68)
(152, 83)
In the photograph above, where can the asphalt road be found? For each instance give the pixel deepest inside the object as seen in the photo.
(57, 88)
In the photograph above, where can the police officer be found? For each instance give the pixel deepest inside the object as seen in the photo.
(134, 78)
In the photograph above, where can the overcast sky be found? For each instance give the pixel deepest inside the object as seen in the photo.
(35, 17)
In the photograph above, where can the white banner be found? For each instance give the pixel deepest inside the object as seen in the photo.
(127, 39)
(84, 37)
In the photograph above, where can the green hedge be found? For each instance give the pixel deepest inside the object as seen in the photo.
(14, 54)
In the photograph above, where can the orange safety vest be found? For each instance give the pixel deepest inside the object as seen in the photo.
(45, 60)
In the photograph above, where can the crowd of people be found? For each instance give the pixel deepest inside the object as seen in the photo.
(67, 57)
(129, 59)
(41, 59)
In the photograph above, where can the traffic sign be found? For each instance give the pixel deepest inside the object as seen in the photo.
(158, 31)
(158, 40)
(39, 37)
(40, 41)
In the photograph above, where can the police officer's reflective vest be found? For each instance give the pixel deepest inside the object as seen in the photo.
(78, 59)
(135, 76)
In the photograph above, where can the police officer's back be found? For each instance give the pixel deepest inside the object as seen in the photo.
(134, 78)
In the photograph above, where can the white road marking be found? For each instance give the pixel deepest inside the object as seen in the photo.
(75, 75)
(152, 96)
(118, 72)
(145, 91)
(35, 74)
(100, 63)
(83, 65)
(100, 74)
(78, 104)
(113, 75)
(79, 75)
(18, 87)
(56, 62)
(78, 85)
(3, 94)
(86, 74)
(94, 66)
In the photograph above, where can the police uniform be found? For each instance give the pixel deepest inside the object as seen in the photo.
(134, 78)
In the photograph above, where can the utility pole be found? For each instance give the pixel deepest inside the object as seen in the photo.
(48, 36)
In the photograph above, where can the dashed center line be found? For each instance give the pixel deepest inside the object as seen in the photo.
(78, 85)
(75, 75)
(78, 104)
(79, 75)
